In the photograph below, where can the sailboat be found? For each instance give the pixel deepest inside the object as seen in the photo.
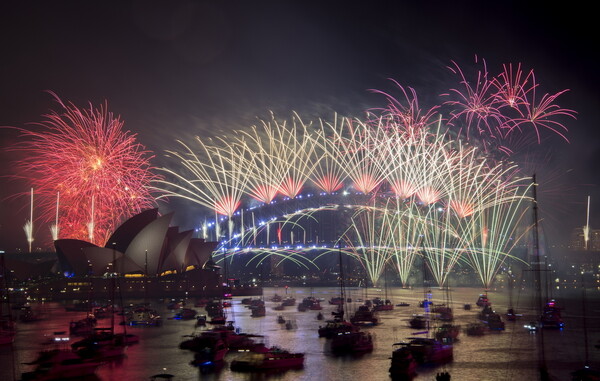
(586, 373)
(384, 304)
(428, 350)
(511, 315)
(338, 324)
(403, 365)
(104, 343)
(550, 314)
(346, 337)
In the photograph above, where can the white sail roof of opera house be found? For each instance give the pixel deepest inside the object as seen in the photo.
(144, 243)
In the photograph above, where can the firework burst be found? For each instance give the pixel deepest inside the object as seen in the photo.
(85, 155)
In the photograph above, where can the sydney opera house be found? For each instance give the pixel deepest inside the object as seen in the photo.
(145, 256)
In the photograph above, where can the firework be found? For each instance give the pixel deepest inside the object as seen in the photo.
(85, 154)
(494, 108)
(492, 233)
(328, 176)
(424, 188)
(214, 178)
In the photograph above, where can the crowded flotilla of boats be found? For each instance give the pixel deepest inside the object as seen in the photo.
(86, 347)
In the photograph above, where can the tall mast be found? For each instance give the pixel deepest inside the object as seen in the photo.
(341, 308)
(537, 262)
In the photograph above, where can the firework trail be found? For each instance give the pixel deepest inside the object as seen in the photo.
(215, 177)
(492, 233)
(360, 153)
(85, 154)
(328, 176)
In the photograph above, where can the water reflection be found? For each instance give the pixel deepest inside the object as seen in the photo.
(504, 355)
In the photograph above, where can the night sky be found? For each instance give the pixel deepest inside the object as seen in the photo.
(175, 69)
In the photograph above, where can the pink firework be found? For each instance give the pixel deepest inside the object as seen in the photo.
(263, 193)
(328, 183)
(226, 205)
(402, 188)
(476, 106)
(291, 187)
(407, 115)
(542, 113)
(512, 86)
(101, 172)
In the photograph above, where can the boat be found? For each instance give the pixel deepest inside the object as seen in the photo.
(495, 322)
(214, 308)
(218, 320)
(551, 316)
(59, 364)
(511, 315)
(447, 333)
(258, 310)
(429, 350)
(384, 304)
(83, 327)
(364, 316)
(290, 324)
(381, 305)
(143, 316)
(475, 329)
(161, 376)
(271, 359)
(351, 342)
(338, 324)
(491, 319)
(403, 365)
(334, 327)
(208, 348)
(403, 304)
(280, 319)
(288, 301)
(586, 374)
(200, 320)
(418, 322)
(185, 314)
(309, 303)
(483, 301)
(276, 298)
(443, 313)
(104, 343)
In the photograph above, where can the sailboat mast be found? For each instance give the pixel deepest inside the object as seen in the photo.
(343, 301)
(537, 262)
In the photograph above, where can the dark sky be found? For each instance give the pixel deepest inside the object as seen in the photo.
(175, 69)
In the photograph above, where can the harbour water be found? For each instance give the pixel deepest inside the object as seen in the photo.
(511, 354)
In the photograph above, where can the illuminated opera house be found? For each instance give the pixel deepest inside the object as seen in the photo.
(149, 258)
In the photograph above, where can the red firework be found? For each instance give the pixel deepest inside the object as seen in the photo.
(96, 166)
